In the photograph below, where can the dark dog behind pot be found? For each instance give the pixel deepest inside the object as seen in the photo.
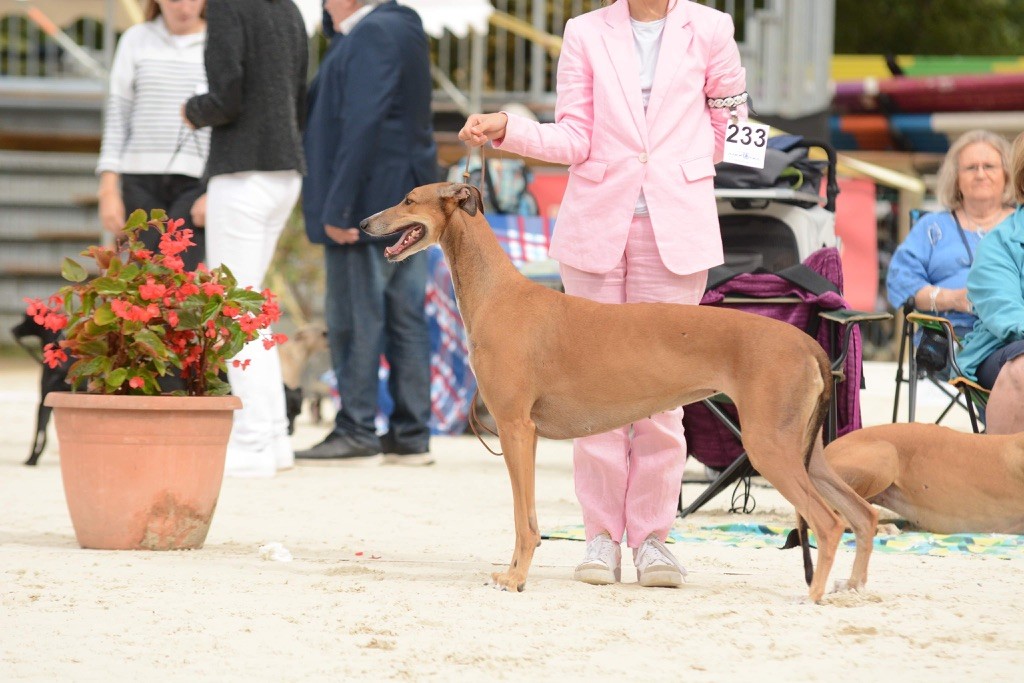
(52, 379)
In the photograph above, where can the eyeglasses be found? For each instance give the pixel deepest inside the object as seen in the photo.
(989, 169)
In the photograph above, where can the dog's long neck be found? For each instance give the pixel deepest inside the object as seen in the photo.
(481, 270)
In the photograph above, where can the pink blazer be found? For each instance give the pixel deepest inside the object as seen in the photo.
(614, 149)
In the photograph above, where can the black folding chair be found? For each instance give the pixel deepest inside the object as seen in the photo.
(966, 393)
(924, 366)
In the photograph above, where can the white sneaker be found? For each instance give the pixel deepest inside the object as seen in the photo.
(284, 456)
(602, 562)
(244, 464)
(656, 566)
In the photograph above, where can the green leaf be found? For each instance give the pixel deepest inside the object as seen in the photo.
(228, 280)
(231, 349)
(136, 220)
(71, 271)
(211, 309)
(114, 269)
(94, 347)
(151, 388)
(188, 318)
(116, 378)
(97, 366)
(217, 387)
(129, 272)
(158, 215)
(88, 301)
(92, 331)
(109, 286)
(150, 344)
(248, 296)
(104, 315)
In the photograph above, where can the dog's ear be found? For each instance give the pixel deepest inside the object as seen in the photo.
(467, 196)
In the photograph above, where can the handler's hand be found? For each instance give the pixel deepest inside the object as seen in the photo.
(198, 211)
(112, 212)
(342, 235)
(184, 117)
(480, 128)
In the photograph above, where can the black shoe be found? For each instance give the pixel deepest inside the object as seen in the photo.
(340, 449)
(403, 454)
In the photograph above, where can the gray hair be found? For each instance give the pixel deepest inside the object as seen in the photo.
(1018, 167)
(947, 189)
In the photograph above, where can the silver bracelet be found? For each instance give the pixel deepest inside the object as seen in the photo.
(933, 297)
(728, 102)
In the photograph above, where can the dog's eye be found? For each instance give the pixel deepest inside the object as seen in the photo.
(407, 201)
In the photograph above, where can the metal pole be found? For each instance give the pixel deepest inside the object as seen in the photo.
(538, 60)
(108, 36)
(478, 62)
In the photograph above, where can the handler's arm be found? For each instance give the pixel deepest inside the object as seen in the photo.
(225, 69)
(567, 140)
(724, 78)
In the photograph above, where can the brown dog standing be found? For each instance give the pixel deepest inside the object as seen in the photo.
(559, 366)
(937, 478)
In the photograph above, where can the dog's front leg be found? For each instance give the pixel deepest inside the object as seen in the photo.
(519, 444)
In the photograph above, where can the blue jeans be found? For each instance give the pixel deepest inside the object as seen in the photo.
(374, 307)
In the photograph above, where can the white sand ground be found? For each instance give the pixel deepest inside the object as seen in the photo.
(388, 576)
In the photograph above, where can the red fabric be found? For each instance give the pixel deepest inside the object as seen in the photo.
(857, 230)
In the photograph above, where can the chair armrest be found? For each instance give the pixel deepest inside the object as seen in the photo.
(934, 322)
(848, 318)
(845, 316)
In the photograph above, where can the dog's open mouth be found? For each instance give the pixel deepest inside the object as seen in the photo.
(412, 234)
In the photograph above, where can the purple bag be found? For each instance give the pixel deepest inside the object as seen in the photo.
(707, 439)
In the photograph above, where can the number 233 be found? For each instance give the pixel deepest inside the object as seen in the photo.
(758, 137)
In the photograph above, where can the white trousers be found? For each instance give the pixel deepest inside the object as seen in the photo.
(245, 215)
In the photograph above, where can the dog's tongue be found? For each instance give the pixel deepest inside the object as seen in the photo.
(408, 237)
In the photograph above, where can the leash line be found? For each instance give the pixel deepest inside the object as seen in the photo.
(474, 421)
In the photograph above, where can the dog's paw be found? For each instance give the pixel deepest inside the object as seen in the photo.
(846, 585)
(506, 582)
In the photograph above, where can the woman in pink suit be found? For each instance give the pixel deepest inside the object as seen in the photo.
(645, 91)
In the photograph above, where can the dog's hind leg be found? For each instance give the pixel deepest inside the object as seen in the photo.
(779, 458)
(519, 445)
(39, 443)
(849, 473)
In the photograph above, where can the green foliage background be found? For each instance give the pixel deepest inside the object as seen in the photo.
(930, 27)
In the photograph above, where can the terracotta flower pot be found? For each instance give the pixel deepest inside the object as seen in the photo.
(142, 472)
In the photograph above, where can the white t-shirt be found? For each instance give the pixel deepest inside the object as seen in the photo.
(647, 39)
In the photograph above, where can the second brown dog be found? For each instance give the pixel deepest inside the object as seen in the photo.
(938, 479)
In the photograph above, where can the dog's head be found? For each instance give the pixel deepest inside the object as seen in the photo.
(422, 216)
(312, 337)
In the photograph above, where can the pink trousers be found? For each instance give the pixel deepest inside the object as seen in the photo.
(628, 479)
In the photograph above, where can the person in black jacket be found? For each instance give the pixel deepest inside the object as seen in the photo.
(256, 60)
(369, 141)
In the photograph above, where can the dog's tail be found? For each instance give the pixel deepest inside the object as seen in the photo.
(798, 537)
(814, 433)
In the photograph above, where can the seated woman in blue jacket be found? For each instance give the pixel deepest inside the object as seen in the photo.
(993, 353)
(931, 264)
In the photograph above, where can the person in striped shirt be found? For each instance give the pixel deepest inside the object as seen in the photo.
(149, 158)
